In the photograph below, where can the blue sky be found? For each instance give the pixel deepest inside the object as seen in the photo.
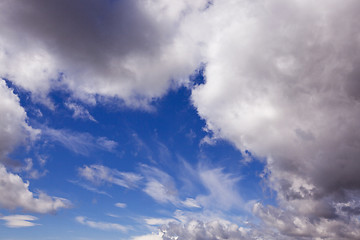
(164, 145)
(187, 120)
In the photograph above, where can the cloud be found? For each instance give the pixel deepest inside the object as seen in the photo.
(191, 203)
(17, 195)
(102, 225)
(221, 188)
(281, 81)
(99, 174)
(149, 237)
(79, 111)
(18, 221)
(80, 143)
(14, 128)
(120, 205)
(198, 230)
(159, 185)
(31, 172)
(159, 221)
(134, 47)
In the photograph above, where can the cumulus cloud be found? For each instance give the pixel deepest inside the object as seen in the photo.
(14, 128)
(16, 194)
(282, 81)
(99, 174)
(127, 49)
(18, 221)
(101, 225)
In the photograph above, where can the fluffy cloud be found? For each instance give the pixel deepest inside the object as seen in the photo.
(18, 221)
(282, 81)
(13, 126)
(127, 49)
(16, 193)
(101, 225)
(99, 174)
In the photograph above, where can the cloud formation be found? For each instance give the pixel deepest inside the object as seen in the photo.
(132, 50)
(16, 194)
(282, 81)
(14, 128)
(99, 174)
(18, 221)
(101, 225)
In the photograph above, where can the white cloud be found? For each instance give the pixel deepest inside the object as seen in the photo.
(79, 111)
(222, 190)
(17, 195)
(99, 174)
(120, 205)
(14, 128)
(159, 185)
(30, 171)
(191, 203)
(159, 221)
(101, 225)
(18, 221)
(149, 237)
(81, 143)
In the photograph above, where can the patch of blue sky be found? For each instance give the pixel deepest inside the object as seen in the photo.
(163, 146)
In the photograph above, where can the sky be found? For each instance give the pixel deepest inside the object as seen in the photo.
(179, 120)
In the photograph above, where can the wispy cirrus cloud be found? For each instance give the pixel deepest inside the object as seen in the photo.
(108, 226)
(99, 174)
(80, 143)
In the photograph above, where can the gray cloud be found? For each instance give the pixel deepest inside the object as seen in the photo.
(282, 82)
(126, 49)
(16, 194)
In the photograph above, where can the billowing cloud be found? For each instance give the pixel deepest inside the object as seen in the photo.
(99, 174)
(101, 225)
(127, 49)
(282, 81)
(14, 128)
(18, 221)
(16, 194)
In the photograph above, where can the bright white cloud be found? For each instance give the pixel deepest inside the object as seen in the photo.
(99, 174)
(19, 221)
(16, 194)
(101, 225)
(13, 126)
